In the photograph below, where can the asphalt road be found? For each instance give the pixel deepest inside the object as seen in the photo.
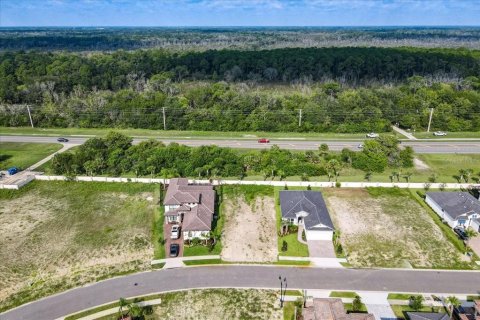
(418, 146)
(445, 282)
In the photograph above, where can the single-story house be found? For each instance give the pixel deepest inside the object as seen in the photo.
(192, 206)
(456, 208)
(427, 316)
(331, 309)
(307, 208)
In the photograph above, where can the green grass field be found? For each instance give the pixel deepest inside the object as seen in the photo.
(343, 294)
(66, 234)
(22, 155)
(446, 166)
(450, 135)
(181, 134)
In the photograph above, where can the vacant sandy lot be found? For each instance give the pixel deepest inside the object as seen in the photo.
(249, 232)
(388, 229)
(219, 304)
(59, 234)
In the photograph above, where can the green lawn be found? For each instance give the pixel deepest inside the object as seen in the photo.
(343, 294)
(400, 310)
(201, 250)
(66, 234)
(451, 135)
(23, 155)
(399, 296)
(446, 166)
(349, 308)
(292, 263)
(181, 134)
(289, 310)
(203, 262)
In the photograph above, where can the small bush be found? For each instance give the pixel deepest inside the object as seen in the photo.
(338, 184)
(284, 246)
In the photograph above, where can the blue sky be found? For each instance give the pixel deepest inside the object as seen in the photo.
(238, 12)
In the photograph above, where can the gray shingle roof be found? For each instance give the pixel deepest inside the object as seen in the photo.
(292, 202)
(427, 316)
(456, 204)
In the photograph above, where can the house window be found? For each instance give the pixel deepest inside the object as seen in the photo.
(461, 222)
(292, 220)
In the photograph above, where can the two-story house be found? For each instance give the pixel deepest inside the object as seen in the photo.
(191, 206)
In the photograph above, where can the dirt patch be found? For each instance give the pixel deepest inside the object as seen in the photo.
(388, 230)
(250, 230)
(420, 165)
(219, 304)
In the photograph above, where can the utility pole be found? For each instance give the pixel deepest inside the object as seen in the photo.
(164, 120)
(30, 115)
(430, 119)
(300, 118)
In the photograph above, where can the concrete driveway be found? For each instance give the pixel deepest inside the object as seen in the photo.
(321, 249)
(167, 228)
(475, 245)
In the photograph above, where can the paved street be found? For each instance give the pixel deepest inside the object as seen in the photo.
(250, 277)
(419, 146)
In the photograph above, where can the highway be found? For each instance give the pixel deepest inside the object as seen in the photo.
(418, 146)
(439, 282)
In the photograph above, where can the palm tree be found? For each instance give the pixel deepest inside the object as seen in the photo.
(470, 233)
(135, 311)
(452, 302)
(122, 303)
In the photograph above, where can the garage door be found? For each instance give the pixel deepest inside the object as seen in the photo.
(319, 235)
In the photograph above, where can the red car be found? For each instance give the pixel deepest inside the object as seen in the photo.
(263, 140)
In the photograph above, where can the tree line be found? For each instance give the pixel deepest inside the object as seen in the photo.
(115, 155)
(223, 106)
(130, 38)
(21, 72)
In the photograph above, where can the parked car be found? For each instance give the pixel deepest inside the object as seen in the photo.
(13, 170)
(263, 140)
(62, 140)
(372, 135)
(360, 146)
(439, 133)
(174, 249)
(461, 233)
(175, 233)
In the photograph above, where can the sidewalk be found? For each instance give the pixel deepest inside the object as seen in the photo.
(39, 163)
(178, 262)
(405, 133)
(378, 305)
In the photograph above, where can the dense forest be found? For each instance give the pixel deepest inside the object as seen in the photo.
(244, 90)
(115, 155)
(109, 38)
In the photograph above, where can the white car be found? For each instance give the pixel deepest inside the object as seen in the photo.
(372, 135)
(439, 133)
(175, 233)
(360, 146)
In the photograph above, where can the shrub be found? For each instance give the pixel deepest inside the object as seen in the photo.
(284, 246)
(357, 303)
(304, 236)
(416, 302)
(338, 184)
